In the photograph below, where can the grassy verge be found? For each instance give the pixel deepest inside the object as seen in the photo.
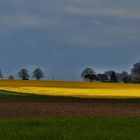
(70, 129)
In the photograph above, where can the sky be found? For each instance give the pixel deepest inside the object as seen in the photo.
(63, 37)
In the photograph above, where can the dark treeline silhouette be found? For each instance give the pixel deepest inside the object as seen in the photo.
(23, 74)
(88, 74)
(37, 74)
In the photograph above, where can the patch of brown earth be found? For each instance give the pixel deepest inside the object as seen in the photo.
(70, 108)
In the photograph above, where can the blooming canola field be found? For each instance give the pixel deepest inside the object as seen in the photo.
(72, 89)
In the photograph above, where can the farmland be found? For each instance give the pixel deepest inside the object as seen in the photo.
(70, 129)
(69, 110)
(68, 99)
(28, 116)
(73, 89)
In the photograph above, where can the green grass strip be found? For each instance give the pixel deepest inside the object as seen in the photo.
(70, 129)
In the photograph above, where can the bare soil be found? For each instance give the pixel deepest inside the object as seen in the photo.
(68, 107)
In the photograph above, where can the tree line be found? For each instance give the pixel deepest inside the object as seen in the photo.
(88, 74)
(23, 74)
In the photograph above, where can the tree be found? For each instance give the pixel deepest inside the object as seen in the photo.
(108, 74)
(135, 73)
(88, 74)
(135, 78)
(38, 74)
(1, 76)
(123, 77)
(23, 74)
(102, 78)
(136, 68)
(113, 77)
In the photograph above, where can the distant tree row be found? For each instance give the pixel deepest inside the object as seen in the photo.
(24, 74)
(88, 74)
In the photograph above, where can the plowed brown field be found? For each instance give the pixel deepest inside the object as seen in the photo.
(69, 107)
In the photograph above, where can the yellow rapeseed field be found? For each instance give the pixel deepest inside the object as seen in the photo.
(74, 89)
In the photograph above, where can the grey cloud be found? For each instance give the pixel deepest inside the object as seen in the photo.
(62, 31)
(99, 30)
(22, 20)
(103, 11)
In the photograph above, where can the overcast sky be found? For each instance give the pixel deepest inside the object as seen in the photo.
(65, 36)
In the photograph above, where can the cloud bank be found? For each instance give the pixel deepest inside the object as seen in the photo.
(66, 31)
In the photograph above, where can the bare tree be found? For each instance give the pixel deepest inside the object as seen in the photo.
(38, 74)
(23, 74)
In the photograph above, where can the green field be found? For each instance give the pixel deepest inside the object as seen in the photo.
(70, 129)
